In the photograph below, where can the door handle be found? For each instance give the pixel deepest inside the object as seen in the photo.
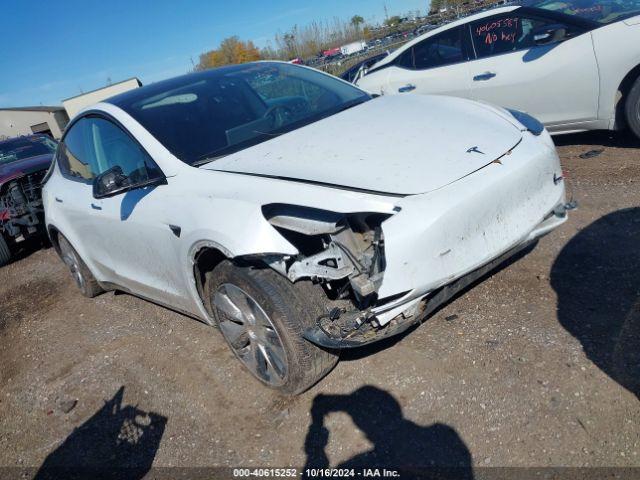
(96, 207)
(484, 76)
(59, 200)
(407, 88)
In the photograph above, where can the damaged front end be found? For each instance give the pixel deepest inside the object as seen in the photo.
(344, 253)
(21, 209)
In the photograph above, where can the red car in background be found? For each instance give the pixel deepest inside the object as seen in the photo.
(24, 162)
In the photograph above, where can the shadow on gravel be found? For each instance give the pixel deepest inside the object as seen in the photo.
(597, 280)
(434, 451)
(117, 442)
(599, 138)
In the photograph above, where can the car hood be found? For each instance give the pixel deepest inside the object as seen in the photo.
(400, 145)
(15, 169)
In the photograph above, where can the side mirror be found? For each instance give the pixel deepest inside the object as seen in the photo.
(550, 34)
(110, 183)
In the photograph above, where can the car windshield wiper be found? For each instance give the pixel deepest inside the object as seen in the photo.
(229, 149)
(204, 161)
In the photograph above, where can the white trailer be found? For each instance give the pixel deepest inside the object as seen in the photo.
(353, 47)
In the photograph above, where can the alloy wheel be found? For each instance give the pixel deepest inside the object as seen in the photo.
(251, 334)
(70, 259)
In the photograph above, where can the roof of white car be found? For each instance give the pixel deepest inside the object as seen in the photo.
(435, 31)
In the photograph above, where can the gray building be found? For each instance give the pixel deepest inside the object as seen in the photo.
(29, 120)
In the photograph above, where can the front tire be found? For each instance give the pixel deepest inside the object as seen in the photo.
(262, 315)
(86, 282)
(632, 108)
(5, 252)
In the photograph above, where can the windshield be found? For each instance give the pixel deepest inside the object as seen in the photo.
(205, 115)
(25, 147)
(601, 11)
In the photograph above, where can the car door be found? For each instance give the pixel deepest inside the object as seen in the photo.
(133, 225)
(436, 65)
(72, 195)
(558, 82)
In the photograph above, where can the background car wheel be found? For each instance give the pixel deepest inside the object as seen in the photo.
(262, 315)
(632, 108)
(5, 253)
(85, 280)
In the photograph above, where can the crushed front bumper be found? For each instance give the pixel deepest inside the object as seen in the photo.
(425, 306)
(443, 241)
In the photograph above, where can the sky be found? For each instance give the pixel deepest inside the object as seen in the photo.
(52, 50)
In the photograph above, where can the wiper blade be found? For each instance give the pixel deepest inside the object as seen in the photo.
(204, 161)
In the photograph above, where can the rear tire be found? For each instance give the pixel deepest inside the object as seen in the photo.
(262, 316)
(632, 108)
(86, 282)
(5, 252)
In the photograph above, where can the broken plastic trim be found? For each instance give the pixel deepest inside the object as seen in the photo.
(305, 220)
(366, 333)
(333, 246)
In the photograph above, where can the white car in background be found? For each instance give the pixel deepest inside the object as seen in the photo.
(572, 64)
(252, 198)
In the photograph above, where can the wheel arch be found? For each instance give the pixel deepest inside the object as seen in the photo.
(54, 233)
(207, 255)
(621, 95)
(204, 259)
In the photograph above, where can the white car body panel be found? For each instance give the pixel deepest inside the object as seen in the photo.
(561, 82)
(570, 86)
(475, 210)
(451, 80)
(617, 48)
(368, 160)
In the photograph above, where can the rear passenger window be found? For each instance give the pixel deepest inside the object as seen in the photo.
(443, 49)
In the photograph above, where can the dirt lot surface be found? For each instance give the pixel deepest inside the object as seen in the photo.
(536, 366)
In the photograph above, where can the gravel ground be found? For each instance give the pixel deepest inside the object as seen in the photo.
(536, 366)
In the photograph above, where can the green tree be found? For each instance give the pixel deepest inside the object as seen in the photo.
(356, 21)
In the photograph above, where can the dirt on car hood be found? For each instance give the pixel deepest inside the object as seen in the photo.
(397, 144)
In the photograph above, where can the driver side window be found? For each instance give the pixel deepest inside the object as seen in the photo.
(95, 145)
(112, 147)
(445, 48)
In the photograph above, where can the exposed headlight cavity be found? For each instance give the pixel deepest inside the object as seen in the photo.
(338, 250)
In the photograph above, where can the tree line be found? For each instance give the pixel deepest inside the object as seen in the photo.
(299, 42)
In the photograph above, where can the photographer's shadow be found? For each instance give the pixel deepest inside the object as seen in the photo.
(117, 442)
(434, 451)
(597, 280)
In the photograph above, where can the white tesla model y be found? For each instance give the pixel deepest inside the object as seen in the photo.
(293, 210)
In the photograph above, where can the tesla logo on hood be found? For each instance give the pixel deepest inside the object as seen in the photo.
(475, 150)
